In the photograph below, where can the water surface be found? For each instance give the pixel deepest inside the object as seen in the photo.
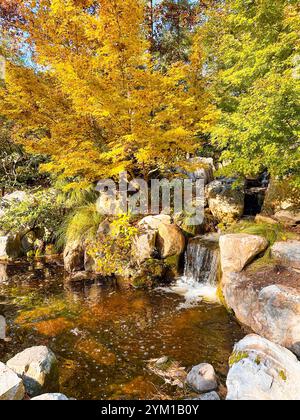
(104, 333)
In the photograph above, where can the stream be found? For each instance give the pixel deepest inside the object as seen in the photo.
(104, 333)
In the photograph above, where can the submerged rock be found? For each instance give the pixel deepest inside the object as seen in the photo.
(262, 370)
(50, 397)
(268, 301)
(287, 252)
(202, 378)
(238, 250)
(38, 368)
(11, 386)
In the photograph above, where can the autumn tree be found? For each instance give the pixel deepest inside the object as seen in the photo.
(249, 51)
(93, 100)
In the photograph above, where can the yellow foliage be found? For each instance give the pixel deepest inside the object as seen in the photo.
(98, 104)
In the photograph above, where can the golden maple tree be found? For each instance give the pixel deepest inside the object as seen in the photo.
(92, 97)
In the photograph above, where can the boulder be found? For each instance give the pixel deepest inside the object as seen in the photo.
(90, 264)
(154, 222)
(202, 378)
(288, 217)
(262, 371)
(210, 396)
(10, 247)
(238, 250)
(143, 247)
(170, 241)
(267, 300)
(74, 256)
(225, 201)
(3, 273)
(17, 196)
(11, 386)
(50, 397)
(288, 252)
(2, 328)
(281, 195)
(203, 168)
(37, 366)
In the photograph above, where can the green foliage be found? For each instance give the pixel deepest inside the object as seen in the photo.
(236, 357)
(112, 252)
(38, 212)
(272, 233)
(251, 51)
(80, 225)
(17, 168)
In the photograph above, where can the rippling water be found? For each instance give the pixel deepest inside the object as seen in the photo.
(104, 333)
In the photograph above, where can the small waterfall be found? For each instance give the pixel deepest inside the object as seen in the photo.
(199, 281)
(202, 261)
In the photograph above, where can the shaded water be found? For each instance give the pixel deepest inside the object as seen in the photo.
(104, 334)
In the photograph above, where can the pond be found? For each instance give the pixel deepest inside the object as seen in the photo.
(104, 333)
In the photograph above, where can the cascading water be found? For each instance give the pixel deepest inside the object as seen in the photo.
(199, 280)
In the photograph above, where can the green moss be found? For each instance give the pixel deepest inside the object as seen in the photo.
(282, 375)
(236, 357)
(257, 360)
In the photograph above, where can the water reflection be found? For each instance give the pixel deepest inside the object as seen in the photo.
(104, 333)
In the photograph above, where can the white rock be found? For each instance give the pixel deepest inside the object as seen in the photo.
(238, 250)
(38, 368)
(288, 252)
(262, 370)
(50, 397)
(11, 386)
(2, 328)
(210, 396)
(154, 222)
(202, 378)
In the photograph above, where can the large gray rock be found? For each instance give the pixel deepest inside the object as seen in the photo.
(262, 370)
(50, 397)
(37, 366)
(225, 202)
(238, 250)
(2, 328)
(74, 256)
(210, 396)
(11, 386)
(268, 301)
(202, 378)
(288, 252)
